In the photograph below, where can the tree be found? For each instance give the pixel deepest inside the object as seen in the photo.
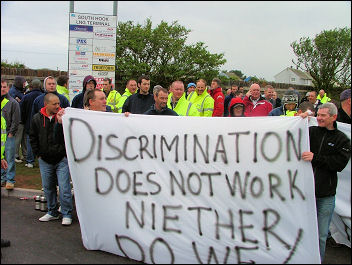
(6, 64)
(162, 54)
(238, 73)
(327, 58)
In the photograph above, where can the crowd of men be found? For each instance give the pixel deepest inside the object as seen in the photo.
(33, 117)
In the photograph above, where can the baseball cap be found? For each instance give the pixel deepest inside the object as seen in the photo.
(346, 94)
(191, 84)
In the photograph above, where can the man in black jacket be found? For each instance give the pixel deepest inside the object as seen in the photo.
(47, 141)
(329, 154)
(141, 101)
(344, 112)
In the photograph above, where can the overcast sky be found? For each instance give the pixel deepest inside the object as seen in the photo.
(255, 37)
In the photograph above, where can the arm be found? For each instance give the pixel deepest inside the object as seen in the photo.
(218, 106)
(126, 105)
(269, 107)
(122, 100)
(34, 136)
(208, 107)
(15, 118)
(23, 109)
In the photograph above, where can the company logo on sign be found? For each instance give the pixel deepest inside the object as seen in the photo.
(103, 54)
(81, 41)
(102, 73)
(81, 28)
(103, 49)
(81, 59)
(103, 35)
(80, 53)
(82, 48)
(97, 67)
(103, 60)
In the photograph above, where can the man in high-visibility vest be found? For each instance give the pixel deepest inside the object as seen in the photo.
(10, 110)
(323, 97)
(202, 100)
(112, 96)
(131, 88)
(4, 242)
(3, 141)
(177, 100)
(62, 86)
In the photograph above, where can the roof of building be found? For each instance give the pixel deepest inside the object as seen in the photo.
(301, 74)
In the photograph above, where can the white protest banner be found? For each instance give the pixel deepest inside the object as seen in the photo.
(340, 227)
(164, 189)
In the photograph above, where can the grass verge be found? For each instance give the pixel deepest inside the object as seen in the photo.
(28, 178)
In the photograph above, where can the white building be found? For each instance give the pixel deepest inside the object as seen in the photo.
(294, 77)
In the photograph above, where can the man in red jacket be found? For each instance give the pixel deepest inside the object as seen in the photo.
(218, 96)
(255, 104)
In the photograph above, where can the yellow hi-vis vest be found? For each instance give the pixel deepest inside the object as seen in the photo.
(3, 129)
(183, 106)
(123, 99)
(63, 91)
(324, 99)
(113, 100)
(204, 103)
(289, 113)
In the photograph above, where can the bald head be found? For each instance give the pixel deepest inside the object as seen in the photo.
(49, 96)
(255, 91)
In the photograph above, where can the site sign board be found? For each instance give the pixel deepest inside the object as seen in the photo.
(92, 49)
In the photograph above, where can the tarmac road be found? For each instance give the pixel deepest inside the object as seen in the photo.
(50, 242)
(38, 242)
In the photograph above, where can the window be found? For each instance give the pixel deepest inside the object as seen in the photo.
(293, 79)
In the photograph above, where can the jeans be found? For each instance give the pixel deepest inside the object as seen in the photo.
(325, 210)
(48, 173)
(8, 175)
(30, 156)
(21, 141)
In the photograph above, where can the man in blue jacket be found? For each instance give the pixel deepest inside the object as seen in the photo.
(49, 87)
(17, 89)
(17, 92)
(89, 83)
